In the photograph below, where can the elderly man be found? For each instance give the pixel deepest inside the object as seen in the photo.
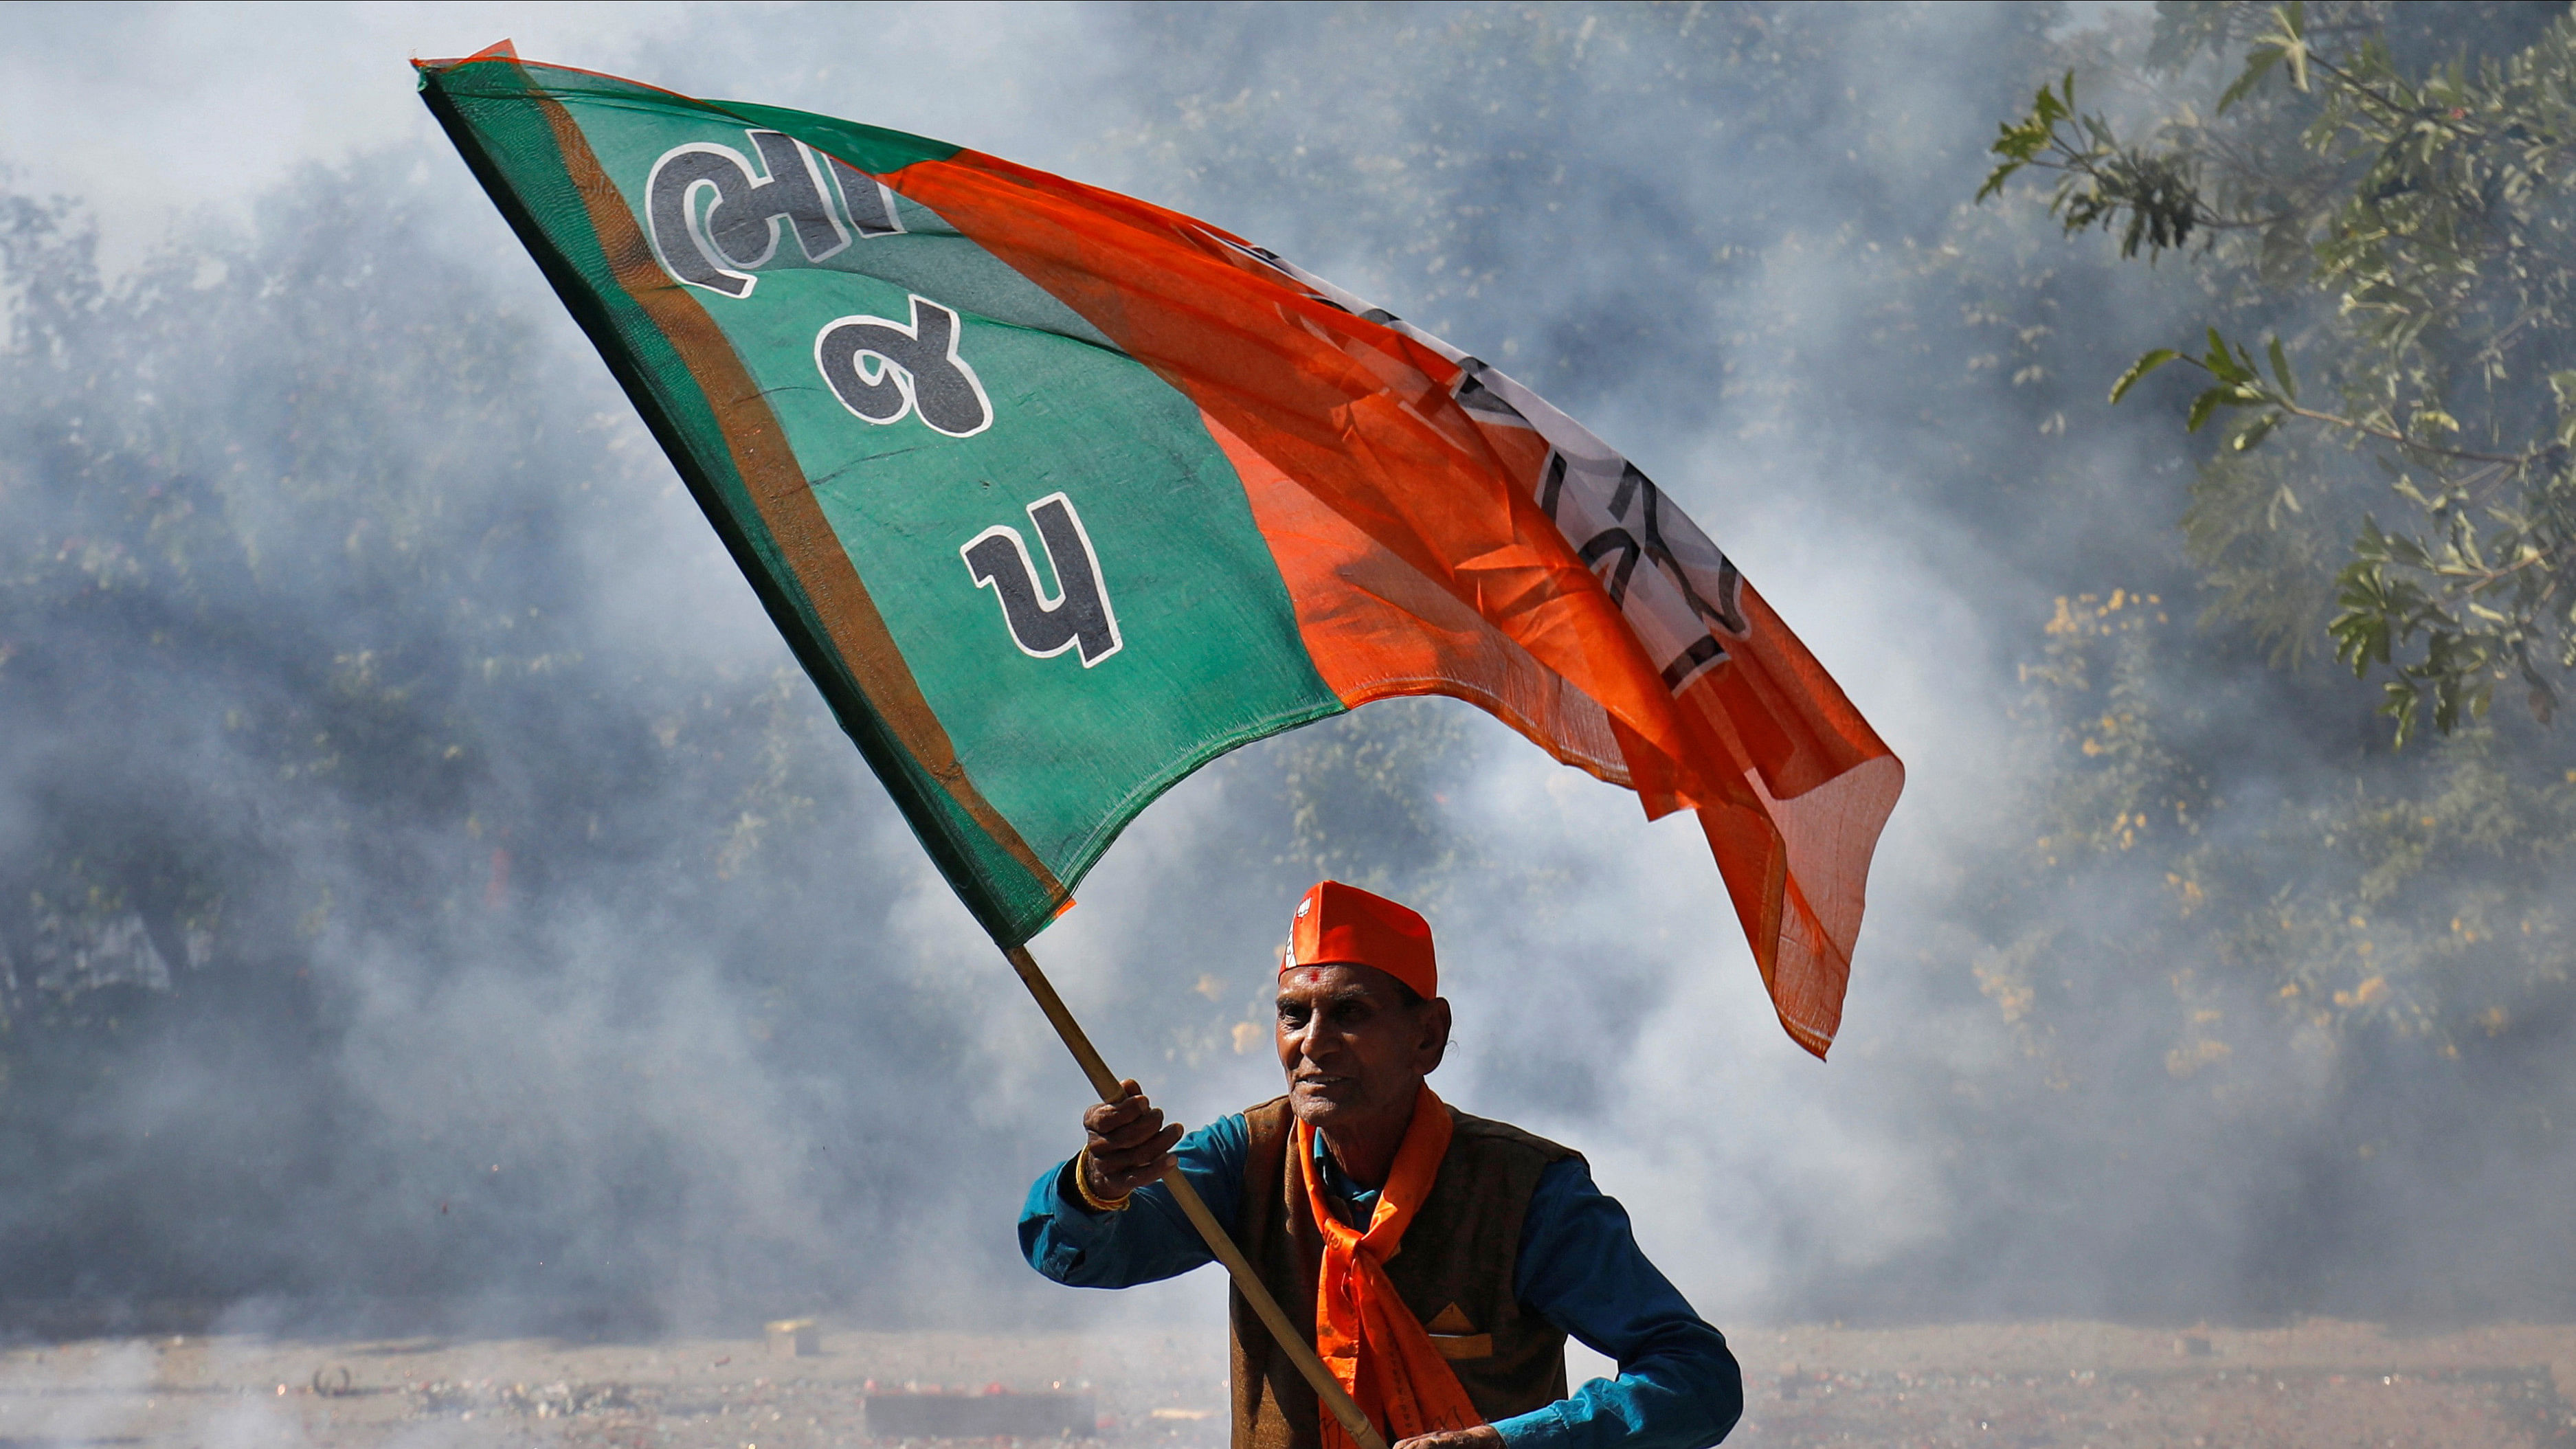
(1457, 1341)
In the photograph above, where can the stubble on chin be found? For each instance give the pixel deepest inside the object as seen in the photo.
(1316, 1110)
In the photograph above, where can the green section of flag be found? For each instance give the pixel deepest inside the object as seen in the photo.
(488, 111)
(1206, 653)
(872, 149)
(1209, 654)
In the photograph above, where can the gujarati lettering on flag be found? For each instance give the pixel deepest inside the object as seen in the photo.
(1058, 495)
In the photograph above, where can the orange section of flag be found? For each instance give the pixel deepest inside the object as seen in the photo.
(1416, 550)
(1378, 628)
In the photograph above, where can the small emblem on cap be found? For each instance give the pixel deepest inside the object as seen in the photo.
(1305, 906)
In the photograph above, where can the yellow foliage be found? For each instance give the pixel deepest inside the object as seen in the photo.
(2011, 994)
(2183, 1061)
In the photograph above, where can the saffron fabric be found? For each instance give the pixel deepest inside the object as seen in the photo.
(1579, 1267)
(1058, 495)
(1339, 924)
(1364, 1332)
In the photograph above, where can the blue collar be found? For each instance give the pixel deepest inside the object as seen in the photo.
(1341, 1192)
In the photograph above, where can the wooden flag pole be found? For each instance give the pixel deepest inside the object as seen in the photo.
(1328, 1389)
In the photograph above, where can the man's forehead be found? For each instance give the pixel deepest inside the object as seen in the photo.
(1338, 980)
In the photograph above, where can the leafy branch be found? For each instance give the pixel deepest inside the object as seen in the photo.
(2100, 181)
(2381, 602)
(2424, 207)
(2237, 382)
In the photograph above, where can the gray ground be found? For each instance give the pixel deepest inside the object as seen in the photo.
(2025, 1386)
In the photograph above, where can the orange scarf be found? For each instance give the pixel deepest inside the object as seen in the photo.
(1363, 1331)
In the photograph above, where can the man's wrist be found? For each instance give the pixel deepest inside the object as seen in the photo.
(1541, 1428)
(1082, 1187)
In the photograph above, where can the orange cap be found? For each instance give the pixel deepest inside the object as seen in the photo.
(1340, 925)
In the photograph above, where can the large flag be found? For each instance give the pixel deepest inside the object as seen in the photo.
(1059, 495)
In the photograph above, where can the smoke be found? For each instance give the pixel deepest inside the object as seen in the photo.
(430, 893)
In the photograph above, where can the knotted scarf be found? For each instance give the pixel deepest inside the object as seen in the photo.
(1363, 1331)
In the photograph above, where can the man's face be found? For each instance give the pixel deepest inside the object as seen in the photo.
(1352, 1049)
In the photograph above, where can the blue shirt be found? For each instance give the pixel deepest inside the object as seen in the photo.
(1579, 1268)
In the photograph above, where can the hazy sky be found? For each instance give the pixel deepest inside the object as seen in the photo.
(155, 115)
(163, 118)
(1764, 281)
(150, 111)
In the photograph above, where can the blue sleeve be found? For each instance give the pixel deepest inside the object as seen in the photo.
(1580, 1268)
(1151, 1240)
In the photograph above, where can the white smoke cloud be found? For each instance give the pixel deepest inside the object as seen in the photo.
(1735, 273)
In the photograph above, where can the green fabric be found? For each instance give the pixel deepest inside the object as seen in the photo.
(870, 148)
(485, 110)
(1208, 655)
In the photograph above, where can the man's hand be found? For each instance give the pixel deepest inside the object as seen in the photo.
(1129, 1146)
(1483, 1436)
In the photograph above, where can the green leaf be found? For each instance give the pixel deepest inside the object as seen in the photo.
(2281, 372)
(2402, 706)
(2564, 385)
(2255, 432)
(2292, 37)
(2222, 361)
(2021, 142)
(2202, 406)
(2140, 368)
(2282, 498)
(2258, 62)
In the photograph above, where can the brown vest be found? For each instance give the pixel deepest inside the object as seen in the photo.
(1454, 1269)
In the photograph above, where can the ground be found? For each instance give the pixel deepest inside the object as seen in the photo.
(2320, 1385)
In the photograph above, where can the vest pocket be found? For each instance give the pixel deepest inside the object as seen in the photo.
(1454, 1334)
(1463, 1345)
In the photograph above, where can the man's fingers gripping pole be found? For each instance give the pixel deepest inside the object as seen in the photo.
(1328, 1389)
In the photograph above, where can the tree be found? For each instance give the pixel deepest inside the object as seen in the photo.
(2393, 210)
(2360, 209)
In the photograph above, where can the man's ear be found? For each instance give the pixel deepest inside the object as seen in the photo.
(1433, 1043)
